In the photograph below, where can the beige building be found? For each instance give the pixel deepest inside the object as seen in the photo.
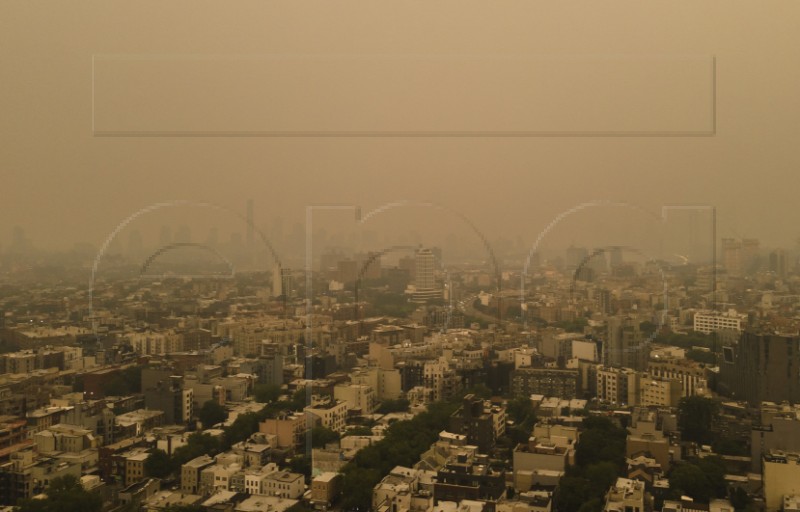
(659, 391)
(625, 496)
(359, 398)
(645, 438)
(617, 385)
(254, 478)
(324, 488)
(781, 477)
(690, 373)
(289, 429)
(155, 343)
(217, 477)
(64, 438)
(332, 414)
(545, 456)
(134, 465)
(190, 473)
(285, 485)
(385, 382)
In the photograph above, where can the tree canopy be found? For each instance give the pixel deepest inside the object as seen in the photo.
(696, 417)
(600, 459)
(388, 406)
(212, 413)
(159, 464)
(65, 494)
(403, 444)
(266, 393)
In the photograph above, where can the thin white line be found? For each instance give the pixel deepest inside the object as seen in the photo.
(93, 129)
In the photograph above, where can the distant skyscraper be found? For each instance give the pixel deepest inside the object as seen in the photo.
(597, 262)
(250, 225)
(135, 243)
(165, 237)
(615, 257)
(424, 276)
(369, 265)
(750, 255)
(183, 235)
(777, 262)
(282, 282)
(213, 237)
(761, 366)
(625, 344)
(277, 282)
(740, 257)
(575, 257)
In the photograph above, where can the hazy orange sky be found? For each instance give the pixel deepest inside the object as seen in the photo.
(63, 183)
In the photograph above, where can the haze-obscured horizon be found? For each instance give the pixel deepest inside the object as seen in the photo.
(64, 185)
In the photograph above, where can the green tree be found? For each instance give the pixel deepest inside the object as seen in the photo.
(358, 431)
(266, 393)
(357, 485)
(601, 441)
(696, 417)
(159, 464)
(389, 406)
(571, 493)
(740, 499)
(321, 436)
(479, 390)
(403, 444)
(183, 508)
(301, 464)
(729, 446)
(212, 413)
(688, 479)
(702, 356)
(65, 494)
(714, 470)
(196, 445)
(125, 382)
(245, 426)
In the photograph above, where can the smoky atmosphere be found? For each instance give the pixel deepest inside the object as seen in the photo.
(399, 256)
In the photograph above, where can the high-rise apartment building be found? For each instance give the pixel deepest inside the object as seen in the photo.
(625, 346)
(424, 276)
(777, 263)
(762, 367)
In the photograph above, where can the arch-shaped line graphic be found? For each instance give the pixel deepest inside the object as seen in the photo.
(561, 216)
(602, 250)
(155, 207)
(178, 245)
(376, 255)
(364, 266)
(429, 204)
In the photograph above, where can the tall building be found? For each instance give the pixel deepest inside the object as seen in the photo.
(576, 256)
(781, 478)
(615, 257)
(250, 225)
(424, 276)
(618, 385)
(625, 344)
(171, 397)
(777, 263)
(135, 243)
(762, 367)
(555, 382)
(740, 257)
(282, 282)
(711, 321)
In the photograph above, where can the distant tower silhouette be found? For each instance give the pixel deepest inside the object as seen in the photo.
(250, 230)
(424, 279)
